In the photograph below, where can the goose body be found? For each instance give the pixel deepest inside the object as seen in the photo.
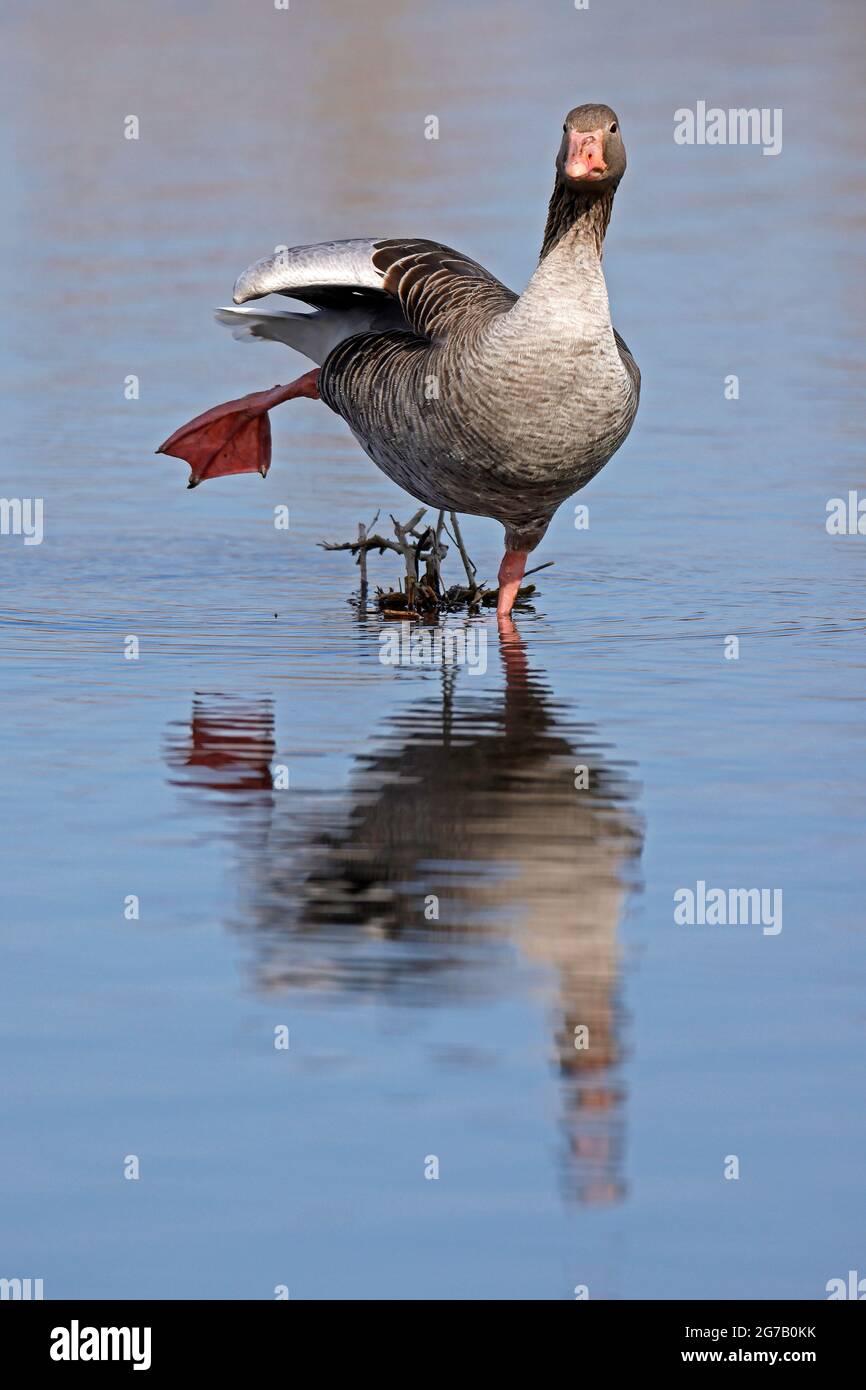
(468, 396)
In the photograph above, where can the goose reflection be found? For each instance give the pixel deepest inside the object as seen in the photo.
(474, 823)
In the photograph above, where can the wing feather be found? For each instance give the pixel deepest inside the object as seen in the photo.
(437, 288)
(308, 272)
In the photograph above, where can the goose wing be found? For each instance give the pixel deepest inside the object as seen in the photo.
(437, 288)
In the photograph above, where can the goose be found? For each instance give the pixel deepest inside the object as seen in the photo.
(470, 397)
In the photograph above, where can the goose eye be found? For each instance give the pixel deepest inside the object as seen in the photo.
(613, 128)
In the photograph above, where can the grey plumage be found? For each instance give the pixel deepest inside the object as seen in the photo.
(470, 397)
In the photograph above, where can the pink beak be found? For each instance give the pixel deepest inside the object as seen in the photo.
(584, 157)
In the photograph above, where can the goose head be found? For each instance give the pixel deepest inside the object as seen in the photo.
(591, 154)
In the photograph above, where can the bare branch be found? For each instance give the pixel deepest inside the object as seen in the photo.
(458, 541)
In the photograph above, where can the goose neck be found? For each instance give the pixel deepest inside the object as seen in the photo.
(580, 217)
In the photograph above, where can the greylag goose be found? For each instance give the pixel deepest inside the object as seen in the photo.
(472, 398)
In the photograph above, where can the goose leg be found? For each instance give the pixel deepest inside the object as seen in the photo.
(510, 574)
(235, 437)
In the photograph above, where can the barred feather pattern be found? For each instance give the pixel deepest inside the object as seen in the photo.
(489, 403)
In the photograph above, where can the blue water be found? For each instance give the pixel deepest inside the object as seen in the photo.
(307, 906)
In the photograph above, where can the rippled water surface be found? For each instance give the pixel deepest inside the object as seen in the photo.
(432, 907)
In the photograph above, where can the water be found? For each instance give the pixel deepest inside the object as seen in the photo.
(312, 908)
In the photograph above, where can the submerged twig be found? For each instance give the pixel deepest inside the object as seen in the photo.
(422, 551)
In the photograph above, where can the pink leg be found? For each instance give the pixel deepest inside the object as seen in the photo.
(235, 437)
(510, 574)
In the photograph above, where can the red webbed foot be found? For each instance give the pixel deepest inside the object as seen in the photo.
(235, 437)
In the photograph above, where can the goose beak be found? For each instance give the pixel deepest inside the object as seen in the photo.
(584, 157)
